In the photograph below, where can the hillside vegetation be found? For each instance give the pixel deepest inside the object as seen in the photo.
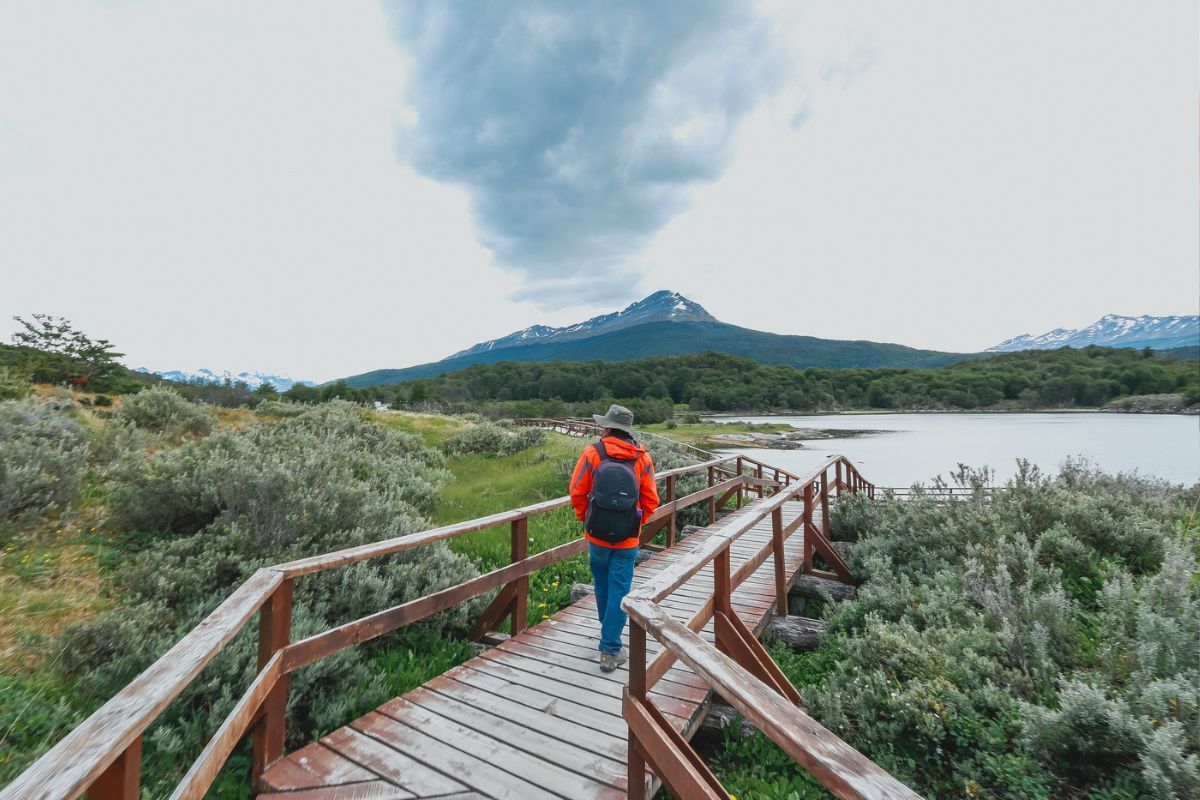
(652, 387)
(1042, 645)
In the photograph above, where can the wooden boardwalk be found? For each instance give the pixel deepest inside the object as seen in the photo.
(533, 717)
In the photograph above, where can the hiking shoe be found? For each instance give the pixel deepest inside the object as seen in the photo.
(610, 661)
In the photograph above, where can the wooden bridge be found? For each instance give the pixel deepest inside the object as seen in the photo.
(532, 717)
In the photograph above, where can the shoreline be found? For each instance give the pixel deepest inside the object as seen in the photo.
(738, 415)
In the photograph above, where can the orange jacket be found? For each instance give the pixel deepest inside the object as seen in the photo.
(643, 468)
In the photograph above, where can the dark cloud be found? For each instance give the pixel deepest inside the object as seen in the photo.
(578, 126)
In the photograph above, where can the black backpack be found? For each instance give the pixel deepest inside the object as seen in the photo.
(612, 505)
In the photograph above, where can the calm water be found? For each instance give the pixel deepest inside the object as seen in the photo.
(916, 447)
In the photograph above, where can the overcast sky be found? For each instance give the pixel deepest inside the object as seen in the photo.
(320, 189)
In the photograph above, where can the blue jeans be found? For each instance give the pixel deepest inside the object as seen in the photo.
(612, 573)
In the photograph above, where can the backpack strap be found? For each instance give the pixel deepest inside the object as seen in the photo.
(602, 451)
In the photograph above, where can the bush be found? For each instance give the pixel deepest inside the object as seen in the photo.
(278, 408)
(1040, 645)
(486, 438)
(163, 411)
(213, 512)
(43, 456)
(325, 470)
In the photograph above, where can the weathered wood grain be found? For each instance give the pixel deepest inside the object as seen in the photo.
(69, 767)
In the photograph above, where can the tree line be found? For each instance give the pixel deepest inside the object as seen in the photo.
(714, 382)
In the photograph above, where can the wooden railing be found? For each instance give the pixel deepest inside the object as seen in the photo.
(738, 668)
(102, 755)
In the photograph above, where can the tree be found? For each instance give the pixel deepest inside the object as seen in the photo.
(64, 353)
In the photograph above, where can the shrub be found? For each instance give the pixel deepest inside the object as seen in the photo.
(162, 410)
(278, 408)
(1040, 645)
(13, 385)
(43, 455)
(323, 471)
(486, 438)
(237, 501)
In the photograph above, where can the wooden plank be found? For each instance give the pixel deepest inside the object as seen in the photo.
(557, 726)
(590, 654)
(608, 704)
(387, 762)
(368, 790)
(550, 705)
(311, 766)
(569, 745)
(680, 706)
(69, 767)
(469, 760)
(524, 770)
(588, 669)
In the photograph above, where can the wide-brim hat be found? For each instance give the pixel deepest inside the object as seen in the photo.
(618, 417)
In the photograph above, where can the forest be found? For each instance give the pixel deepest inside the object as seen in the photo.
(713, 382)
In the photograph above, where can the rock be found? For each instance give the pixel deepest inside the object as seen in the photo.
(799, 633)
(844, 549)
(812, 586)
(580, 591)
(721, 716)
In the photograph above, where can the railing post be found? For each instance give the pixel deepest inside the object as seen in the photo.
(671, 523)
(838, 481)
(781, 590)
(274, 633)
(123, 778)
(635, 763)
(807, 527)
(520, 551)
(825, 504)
(712, 501)
(721, 580)
(741, 499)
(758, 473)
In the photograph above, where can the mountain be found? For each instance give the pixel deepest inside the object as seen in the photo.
(661, 306)
(664, 324)
(251, 379)
(1113, 330)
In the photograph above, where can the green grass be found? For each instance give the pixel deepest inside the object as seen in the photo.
(432, 428)
(487, 485)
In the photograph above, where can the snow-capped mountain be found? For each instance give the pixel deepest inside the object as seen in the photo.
(660, 306)
(1113, 330)
(251, 379)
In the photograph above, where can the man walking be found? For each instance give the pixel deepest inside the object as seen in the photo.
(613, 490)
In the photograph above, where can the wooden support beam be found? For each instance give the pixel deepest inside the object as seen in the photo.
(781, 577)
(123, 778)
(520, 550)
(672, 758)
(274, 634)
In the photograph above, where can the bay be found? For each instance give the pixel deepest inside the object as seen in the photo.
(917, 447)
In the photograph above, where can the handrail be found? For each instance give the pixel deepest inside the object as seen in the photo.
(101, 756)
(738, 667)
